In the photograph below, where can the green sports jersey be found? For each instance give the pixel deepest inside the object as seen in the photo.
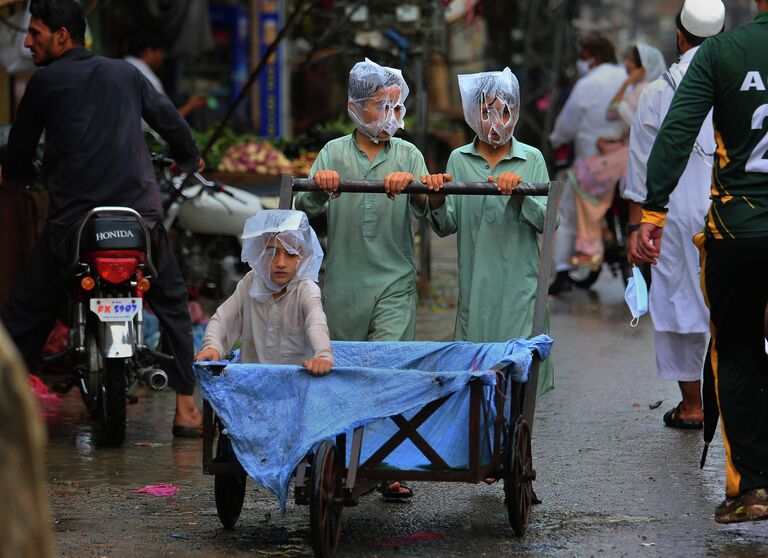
(729, 74)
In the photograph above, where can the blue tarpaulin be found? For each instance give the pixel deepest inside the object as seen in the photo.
(275, 414)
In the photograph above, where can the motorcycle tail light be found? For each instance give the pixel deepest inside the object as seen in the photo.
(116, 270)
(143, 285)
(87, 283)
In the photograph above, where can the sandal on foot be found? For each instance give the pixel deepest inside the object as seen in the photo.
(187, 431)
(750, 506)
(756, 504)
(394, 494)
(671, 419)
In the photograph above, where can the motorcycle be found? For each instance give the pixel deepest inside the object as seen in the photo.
(614, 248)
(614, 236)
(205, 220)
(105, 354)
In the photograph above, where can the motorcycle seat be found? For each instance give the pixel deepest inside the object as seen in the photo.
(113, 232)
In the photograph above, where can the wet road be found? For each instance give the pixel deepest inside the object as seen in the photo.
(613, 480)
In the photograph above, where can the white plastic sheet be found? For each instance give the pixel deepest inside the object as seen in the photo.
(491, 103)
(376, 100)
(291, 229)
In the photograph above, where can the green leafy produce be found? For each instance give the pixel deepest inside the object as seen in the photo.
(227, 139)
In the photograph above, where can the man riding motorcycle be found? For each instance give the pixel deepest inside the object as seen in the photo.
(95, 155)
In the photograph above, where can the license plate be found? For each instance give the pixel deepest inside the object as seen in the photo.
(116, 309)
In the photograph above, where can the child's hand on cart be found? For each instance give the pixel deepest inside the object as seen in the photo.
(209, 353)
(395, 183)
(435, 183)
(328, 181)
(318, 366)
(506, 184)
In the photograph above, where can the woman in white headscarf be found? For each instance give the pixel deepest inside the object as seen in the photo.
(595, 178)
(644, 64)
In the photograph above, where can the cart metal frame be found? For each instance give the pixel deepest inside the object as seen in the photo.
(327, 482)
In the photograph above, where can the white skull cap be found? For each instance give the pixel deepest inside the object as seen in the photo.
(703, 18)
(291, 228)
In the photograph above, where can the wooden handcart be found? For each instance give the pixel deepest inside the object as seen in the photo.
(332, 477)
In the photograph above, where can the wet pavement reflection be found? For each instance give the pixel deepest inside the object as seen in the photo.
(73, 453)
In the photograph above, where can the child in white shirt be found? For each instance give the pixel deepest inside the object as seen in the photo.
(276, 311)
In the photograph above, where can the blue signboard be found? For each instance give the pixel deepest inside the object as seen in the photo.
(270, 80)
(230, 31)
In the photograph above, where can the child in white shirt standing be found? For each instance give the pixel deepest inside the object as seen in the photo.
(276, 310)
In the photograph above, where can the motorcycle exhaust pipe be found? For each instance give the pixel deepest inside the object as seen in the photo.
(153, 378)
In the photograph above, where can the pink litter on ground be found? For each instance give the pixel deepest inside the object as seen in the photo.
(413, 538)
(163, 490)
(41, 391)
(49, 402)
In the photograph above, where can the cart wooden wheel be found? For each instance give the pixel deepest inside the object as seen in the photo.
(518, 476)
(229, 490)
(325, 504)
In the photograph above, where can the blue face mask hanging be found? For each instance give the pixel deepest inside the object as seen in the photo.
(636, 296)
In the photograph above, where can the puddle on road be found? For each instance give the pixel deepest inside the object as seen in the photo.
(149, 455)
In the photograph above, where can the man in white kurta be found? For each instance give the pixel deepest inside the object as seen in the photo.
(680, 316)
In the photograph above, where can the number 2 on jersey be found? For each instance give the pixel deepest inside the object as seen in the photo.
(757, 161)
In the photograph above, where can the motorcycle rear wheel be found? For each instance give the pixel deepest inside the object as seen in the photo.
(112, 403)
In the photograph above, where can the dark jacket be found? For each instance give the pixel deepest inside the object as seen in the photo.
(90, 108)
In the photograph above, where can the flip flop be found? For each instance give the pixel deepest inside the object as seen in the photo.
(394, 495)
(671, 420)
(187, 431)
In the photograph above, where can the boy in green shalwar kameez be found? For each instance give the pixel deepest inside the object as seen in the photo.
(369, 291)
(497, 235)
(370, 280)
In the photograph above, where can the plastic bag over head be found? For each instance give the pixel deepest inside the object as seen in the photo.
(264, 233)
(376, 100)
(491, 102)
